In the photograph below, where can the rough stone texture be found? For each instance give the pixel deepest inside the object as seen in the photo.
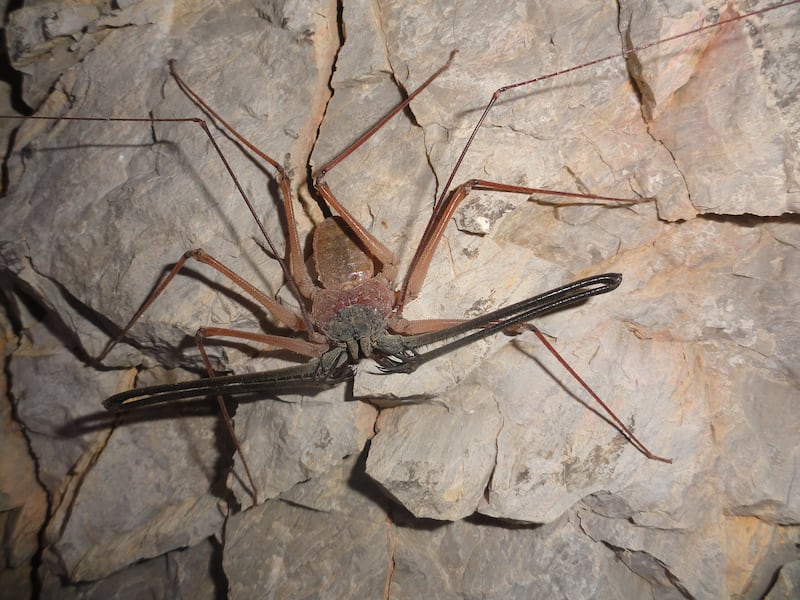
(697, 351)
(23, 502)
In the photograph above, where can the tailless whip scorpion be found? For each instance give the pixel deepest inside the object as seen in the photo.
(354, 310)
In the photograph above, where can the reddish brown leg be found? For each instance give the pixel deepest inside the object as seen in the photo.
(226, 417)
(447, 202)
(415, 327)
(616, 420)
(422, 259)
(444, 212)
(283, 314)
(624, 54)
(385, 256)
(375, 248)
(430, 325)
(294, 345)
(298, 346)
(296, 274)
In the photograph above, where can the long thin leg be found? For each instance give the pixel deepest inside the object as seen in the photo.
(513, 317)
(297, 276)
(321, 372)
(283, 314)
(371, 243)
(444, 211)
(226, 417)
(447, 201)
(298, 346)
(499, 92)
(205, 333)
(621, 427)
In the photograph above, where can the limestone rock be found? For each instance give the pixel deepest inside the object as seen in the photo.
(696, 352)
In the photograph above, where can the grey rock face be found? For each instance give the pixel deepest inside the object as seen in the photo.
(483, 474)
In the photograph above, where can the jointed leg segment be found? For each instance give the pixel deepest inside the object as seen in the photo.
(283, 314)
(444, 212)
(226, 416)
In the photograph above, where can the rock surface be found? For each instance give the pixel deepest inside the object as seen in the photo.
(484, 474)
